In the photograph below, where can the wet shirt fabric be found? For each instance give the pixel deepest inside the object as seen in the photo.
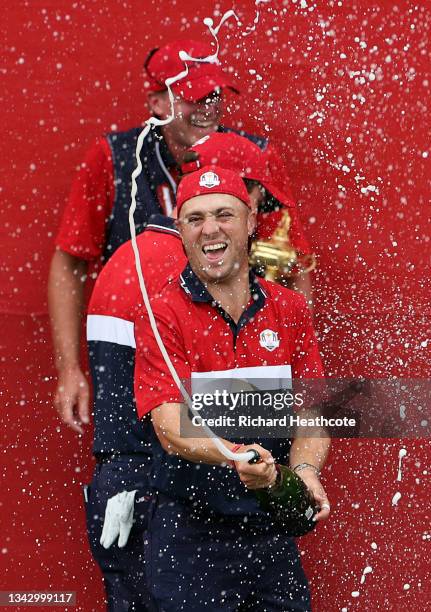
(203, 340)
(95, 220)
(114, 305)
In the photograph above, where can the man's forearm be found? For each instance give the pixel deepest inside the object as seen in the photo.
(313, 451)
(168, 427)
(166, 422)
(65, 301)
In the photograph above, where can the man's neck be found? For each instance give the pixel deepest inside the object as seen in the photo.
(232, 295)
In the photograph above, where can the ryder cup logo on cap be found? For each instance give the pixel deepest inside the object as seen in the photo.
(269, 339)
(209, 180)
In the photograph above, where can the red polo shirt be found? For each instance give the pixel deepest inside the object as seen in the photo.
(274, 331)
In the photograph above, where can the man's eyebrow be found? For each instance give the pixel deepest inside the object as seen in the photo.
(217, 210)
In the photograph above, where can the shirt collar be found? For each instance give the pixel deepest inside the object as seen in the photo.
(193, 286)
(159, 221)
(197, 291)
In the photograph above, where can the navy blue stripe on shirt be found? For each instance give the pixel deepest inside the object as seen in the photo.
(117, 428)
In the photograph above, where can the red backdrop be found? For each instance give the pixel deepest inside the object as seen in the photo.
(342, 90)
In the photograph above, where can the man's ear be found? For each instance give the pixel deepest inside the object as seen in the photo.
(158, 103)
(180, 227)
(251, 222)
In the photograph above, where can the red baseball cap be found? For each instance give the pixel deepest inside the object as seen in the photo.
(237, 153)
(211, 179)
(202, 79)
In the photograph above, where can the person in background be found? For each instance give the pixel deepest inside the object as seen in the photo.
(95, 220)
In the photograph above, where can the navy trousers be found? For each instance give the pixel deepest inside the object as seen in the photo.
(199, 562)
(123, 569)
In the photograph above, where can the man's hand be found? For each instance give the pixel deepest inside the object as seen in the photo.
(118, 519)
(257, 475)
(312, 481)
(72, 398)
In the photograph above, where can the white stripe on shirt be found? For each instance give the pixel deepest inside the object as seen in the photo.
(262, 377)
(110, 329)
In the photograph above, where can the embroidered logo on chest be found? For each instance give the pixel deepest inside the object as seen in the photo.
(269, 339)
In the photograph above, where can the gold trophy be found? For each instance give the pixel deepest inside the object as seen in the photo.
(279, 260)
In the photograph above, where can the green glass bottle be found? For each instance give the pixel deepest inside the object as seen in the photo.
(289, 503)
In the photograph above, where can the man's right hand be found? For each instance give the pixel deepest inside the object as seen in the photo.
(72, 398)
(257, 475)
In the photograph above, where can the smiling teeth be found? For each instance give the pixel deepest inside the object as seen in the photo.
(202, 124)
(214, 247)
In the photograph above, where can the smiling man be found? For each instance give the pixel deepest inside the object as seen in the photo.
(209, 544)
(209, 229)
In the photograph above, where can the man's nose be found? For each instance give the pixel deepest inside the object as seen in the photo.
(210, 225)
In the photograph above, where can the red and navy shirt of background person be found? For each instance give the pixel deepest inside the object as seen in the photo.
(201, 338)
(114, 305)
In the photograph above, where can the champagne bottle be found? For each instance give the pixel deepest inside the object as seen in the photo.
(288, 502)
